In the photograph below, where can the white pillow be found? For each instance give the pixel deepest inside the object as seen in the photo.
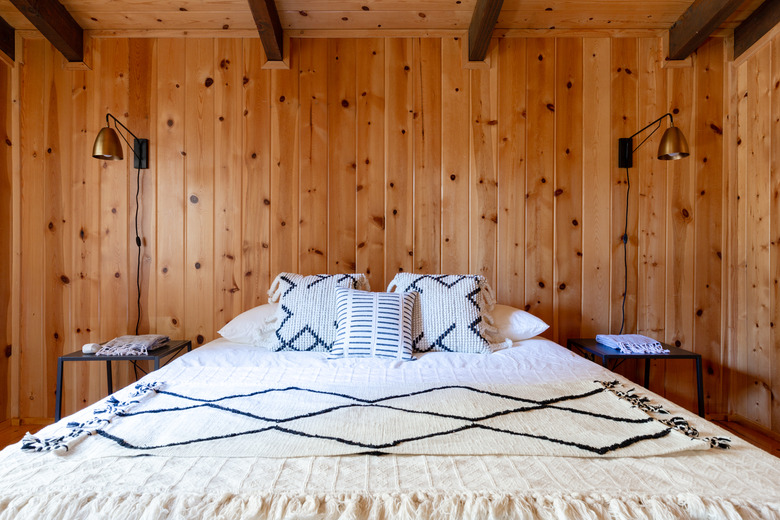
(251, 327)
(516, 324)
(373, 324)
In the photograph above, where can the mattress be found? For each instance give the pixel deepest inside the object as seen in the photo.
(741, 482)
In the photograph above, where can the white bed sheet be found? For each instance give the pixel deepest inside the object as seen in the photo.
(742, 482)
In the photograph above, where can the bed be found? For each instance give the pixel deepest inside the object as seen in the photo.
(739, 482)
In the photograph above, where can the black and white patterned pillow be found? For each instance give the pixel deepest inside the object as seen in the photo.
(373, 324)
(452, 312)
(306, 317)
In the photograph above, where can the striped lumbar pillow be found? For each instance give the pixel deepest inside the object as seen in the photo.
(373, 324)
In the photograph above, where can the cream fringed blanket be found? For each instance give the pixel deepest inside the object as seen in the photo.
(423, 505)
(741, 482)
(188, 419)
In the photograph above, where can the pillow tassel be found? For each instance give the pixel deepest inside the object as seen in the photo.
(275, 292)
(489, 330)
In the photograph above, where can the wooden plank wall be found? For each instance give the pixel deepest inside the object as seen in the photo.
(376, 155)
(754, 267)
(6, 241)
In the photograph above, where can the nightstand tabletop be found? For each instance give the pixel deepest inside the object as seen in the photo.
(162, 351)
(594, 347)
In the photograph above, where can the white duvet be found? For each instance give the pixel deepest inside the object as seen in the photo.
(742, 482)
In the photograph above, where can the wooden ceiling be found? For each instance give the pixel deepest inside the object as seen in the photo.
(425, 16)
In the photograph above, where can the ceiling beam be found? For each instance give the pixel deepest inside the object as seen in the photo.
(755, 26)
(56, 24)
(270, 28)
(7, 39)
(483, 20)
(697, 24)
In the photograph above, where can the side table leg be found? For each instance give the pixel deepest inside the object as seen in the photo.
(109, 378)
(700, 386)
(647, 373)
(58, 403)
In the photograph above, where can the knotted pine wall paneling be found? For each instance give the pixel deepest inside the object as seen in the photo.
(256, 200)
(312, 227)
(6, 242)
(567, 195)
(376, 155)
(754, 317)
(169, 125)
(370, 189)
(34, 352)
(342, 157)
(650, 174)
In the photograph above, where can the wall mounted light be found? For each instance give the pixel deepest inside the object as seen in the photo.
(673, 146)
(108, 148)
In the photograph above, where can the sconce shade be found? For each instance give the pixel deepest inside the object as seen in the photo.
(107, 145)
(673, 145)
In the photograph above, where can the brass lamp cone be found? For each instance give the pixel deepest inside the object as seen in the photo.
(107, 145)
(673, 145)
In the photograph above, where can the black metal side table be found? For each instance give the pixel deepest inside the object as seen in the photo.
(591, 349)
(171, 347)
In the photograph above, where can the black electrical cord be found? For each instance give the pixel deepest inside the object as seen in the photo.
(138, 264)
(625, 256)
(138, 243)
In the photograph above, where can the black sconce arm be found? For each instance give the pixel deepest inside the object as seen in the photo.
(657, 121)
(626, 144)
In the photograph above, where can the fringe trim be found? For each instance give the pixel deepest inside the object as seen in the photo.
(488, 329)
(275, 291)
(66, 505)
(676, 423)
(102, 418)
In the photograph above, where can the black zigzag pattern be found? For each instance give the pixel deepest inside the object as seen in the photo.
(444, 340)
(405, 403)
(299, 326)
(292, 285)
(295, 341)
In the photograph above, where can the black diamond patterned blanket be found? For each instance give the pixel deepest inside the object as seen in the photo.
(580, 419)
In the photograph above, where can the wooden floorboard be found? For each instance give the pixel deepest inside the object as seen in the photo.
(752, 435)
(10, 434)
